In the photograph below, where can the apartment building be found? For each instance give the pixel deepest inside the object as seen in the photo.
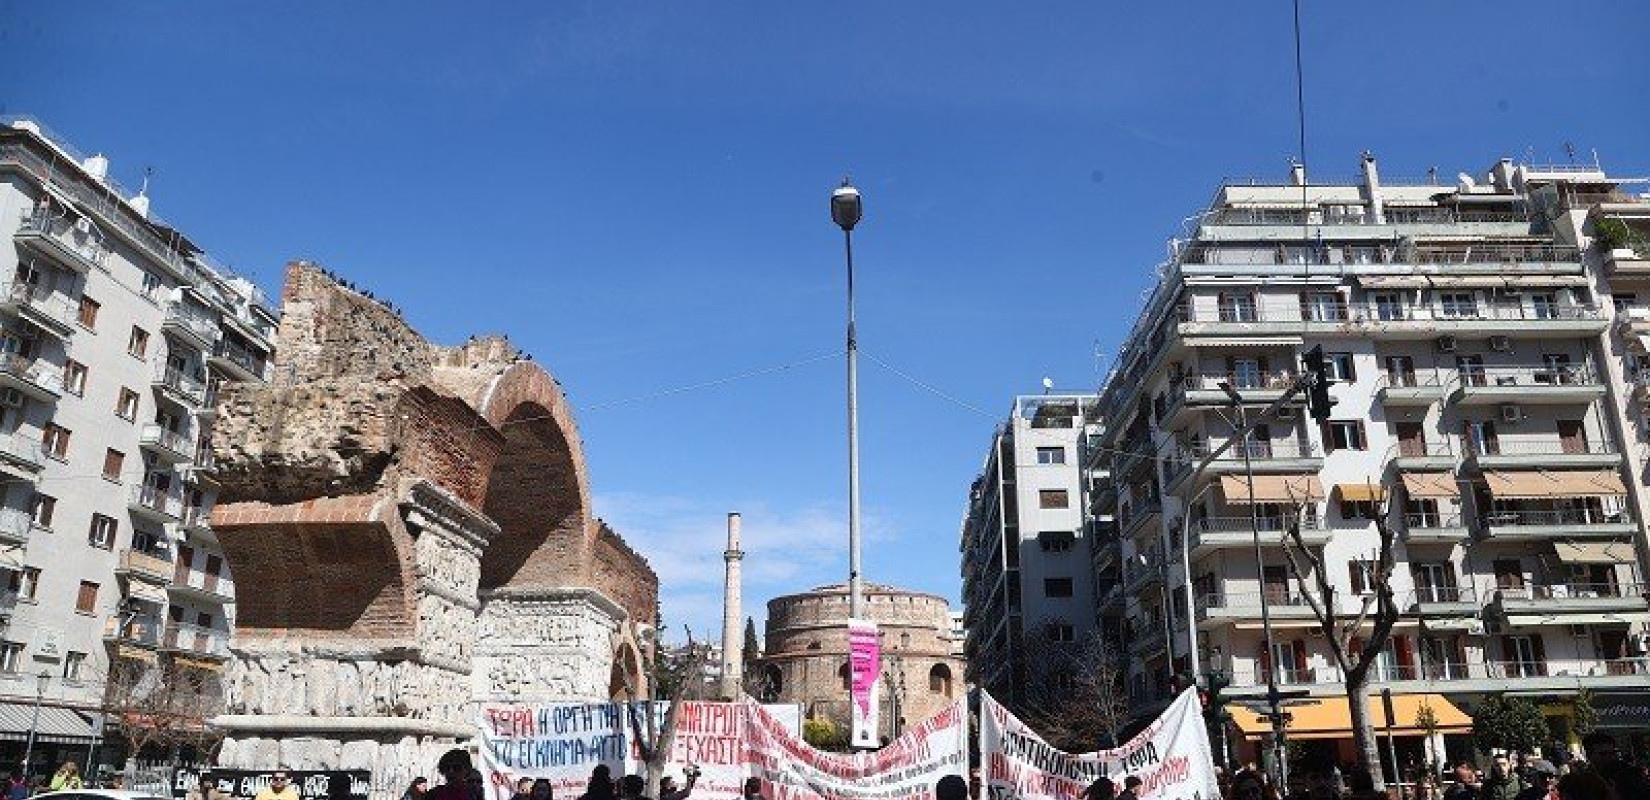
(1478, 372)
(115, 331)
(1027, 585)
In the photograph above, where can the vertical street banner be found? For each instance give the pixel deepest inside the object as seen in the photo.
(906, 769)
(1171, 757)
(865, 666)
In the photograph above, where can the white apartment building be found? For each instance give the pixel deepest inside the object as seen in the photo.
(1478, 373)
(116, 331)
(1027, 582)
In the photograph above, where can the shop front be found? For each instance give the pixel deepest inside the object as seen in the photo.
(61, 734)
(1319, 732)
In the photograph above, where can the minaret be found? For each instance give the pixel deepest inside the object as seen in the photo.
(733, 661)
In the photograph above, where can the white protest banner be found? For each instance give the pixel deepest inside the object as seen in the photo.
(1171, 757)
(906, 769)
(562, 742)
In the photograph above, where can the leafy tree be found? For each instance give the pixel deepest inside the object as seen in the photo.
(1509, 723)
(1586, 715)
(824, 734)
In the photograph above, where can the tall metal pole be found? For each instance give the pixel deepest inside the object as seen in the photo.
(1272, 698)
(28, 750)
(855, 589)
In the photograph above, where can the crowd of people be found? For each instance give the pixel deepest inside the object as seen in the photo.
(462, 781)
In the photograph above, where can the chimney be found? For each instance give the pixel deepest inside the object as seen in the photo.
(1297, 173)
(140, 204)
(1372, 190)
(733, 660)
(97, 166)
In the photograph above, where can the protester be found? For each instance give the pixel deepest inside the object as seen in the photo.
(278, 788)
(1101, 789)
(1542, 781)
(524, 789)
(1131, 786)
(1602, 753)
(1465, 786)
(476, 785)
(691, 773)
(1589, 784)
(454, 768)
(633, 787)
(951, 787)
(67, 778)
(1501, 784)
(752, 789)
(542, 790)
(17, 788)
(600, 786)
(416, 790)
(1248, 785)
(1425, 790)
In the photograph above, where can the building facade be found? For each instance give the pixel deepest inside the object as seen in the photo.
(1483, 353)
(1027, 582)
(117, 332)
(805, 655)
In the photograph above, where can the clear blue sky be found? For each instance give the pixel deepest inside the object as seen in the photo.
(637, 194)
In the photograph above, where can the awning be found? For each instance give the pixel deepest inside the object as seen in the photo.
(1360, 492)
(1272, 488)
(1535, 620)
(1519, 281)
(59, 725)
(1594, 552)
(1328, 717)
(1393, 282)
(1431, 484)
(149, 593)
(1245, 341)
(1508, 485)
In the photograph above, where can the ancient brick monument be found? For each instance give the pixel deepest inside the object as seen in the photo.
(409, 528)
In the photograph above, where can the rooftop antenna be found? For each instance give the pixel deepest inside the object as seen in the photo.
(148, 172)
(1048, 385)
(1570, 150)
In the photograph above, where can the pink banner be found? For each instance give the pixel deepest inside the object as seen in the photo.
(865, 664)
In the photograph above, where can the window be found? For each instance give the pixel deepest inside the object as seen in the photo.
(11, 657)
(1345, 434)
(24, 582)
(1434, 582)
(41, 508)
(127, 407)
(151, 283)
(1238, 307)
(939, 680)
(72, 664)
(86, 601)
(1544, 305)
(1400, 371)
(1363, 576)
(1421, 512)
(1389, 307)
(1509, 573)
(54, 439)
(1623, 301)
(1322, 307)
(1053, 498)
(1051, 455)
(74, 378)
(138, 344)
(1056, 587)
(1339, 366)
(1055, 541)
(1458, 304)
(113, 460)
(102, 533)
(1061, 632)
(1357, 509)
(88, 312)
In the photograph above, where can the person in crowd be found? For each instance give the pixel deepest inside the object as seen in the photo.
(67, 778)
(1248, 785)
(17, 788)
(951, 787)
(524, 789)
(976, 783)
(1588, 784)
(454, 769)
(1425, 790)
(670, 792)
(1542, 781)
(1605, 757)
(279, 788)
(542, 790)
(1502, 783)
(476, 785)
(1101, 789)
(1131, 788)
(1465, 786)
(633, 787)
(600, 786)
(416, 790)
(752, 789)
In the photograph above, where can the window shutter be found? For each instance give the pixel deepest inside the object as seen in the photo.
(1351, 369)
(1265, 659)
(1540, 649)
(1359, 586)
(1300, 655)
(1363, 438)
(1406, 654)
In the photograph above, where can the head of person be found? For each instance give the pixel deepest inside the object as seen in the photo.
(419, 786)
(1585, 784)
(753, 787)
(1101, 789)
(69, 769)
(1464, 773)
(475, 783)
(951, 787)
(1601, 749)
(542, 790)
(632, 786)
(1248, 785)
(454, 765)
(1423, 790)
(278, 781)
(1132, 784)
(524, 785)
(1499, 768)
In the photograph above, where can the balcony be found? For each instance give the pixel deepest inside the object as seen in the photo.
(1279, 456)
(21, 454)
(144, 566)
(202, 585)
(1435, 529)
(191, 325)
(1444, 601)
(1136, 576)
(33, 377)
(1529, 385)
(1249, 681)
(1111, 598)
(1527, 454)
(15, 526)
(180, 387)
(1560, 603)
(168, 446)
(139, 631)
(71, 244)
(1411, 389)
(48, 311)
(151, 503)
(1227, 608)
(1546, 524)
(1140, 515)
(1145, 635)
(1196, 393)
(1286, 320)
(195, 640)
(1251, 225)
(1627, 262)
(238, 362)
(1421, 456)
(1221, 533)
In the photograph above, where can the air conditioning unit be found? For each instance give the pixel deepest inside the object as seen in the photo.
(11, 398)
(1500, 344)
(1578, 630)
(1286, 412)
(1511, 412)
(1446, 344)
(1475, 627)
(83, 225)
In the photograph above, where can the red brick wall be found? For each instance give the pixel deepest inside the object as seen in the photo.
(625, 576)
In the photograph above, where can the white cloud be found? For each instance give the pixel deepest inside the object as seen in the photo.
(786, 551)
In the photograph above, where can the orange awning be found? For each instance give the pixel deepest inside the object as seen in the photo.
(1328, 717)
(1431, 484)
(1360, 492)
(1510, 485)
(1272, 488)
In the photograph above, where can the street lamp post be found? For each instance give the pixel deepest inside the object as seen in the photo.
(28, 750)
(846, 211)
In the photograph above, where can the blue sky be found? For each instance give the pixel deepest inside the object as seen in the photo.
(637, 194)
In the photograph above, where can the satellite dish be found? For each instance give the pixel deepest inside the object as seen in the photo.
(1048, 385)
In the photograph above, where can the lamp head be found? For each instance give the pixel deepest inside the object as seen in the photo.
(846, 208)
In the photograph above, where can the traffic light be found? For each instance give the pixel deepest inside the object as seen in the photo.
(1316, 369)
(1214, 697)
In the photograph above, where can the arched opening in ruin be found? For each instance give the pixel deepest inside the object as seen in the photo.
(625, 679)
(534, 494)
(939, 680)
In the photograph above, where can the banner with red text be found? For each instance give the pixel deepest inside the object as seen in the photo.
(906, 769)
(1171, 757)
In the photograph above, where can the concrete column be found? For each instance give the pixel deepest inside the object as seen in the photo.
(733, 641)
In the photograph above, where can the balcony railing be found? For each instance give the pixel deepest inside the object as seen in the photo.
(148, 564)
(1425, 521)
(186, 385)
(1244, 601)
(1556, 516)
(154, 434)
(1552, 447)
(1264, 523)
(1409, 380)
(196, 639)
(1394, 216)
(241, 357)
(142, 631)
(1567, 590)
(15, 524)
(205, 582)
(23, 449)
(1252, 675)
(196, 323)
(53, 307)
(1258, 450)
(1485, 255)
(61, 231)
(1445, 594)
(34, 371)
(161, 502)
(1279, 311)
(1540, 376)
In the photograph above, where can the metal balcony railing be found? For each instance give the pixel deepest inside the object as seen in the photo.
(1444, 594)
(193, 320)
(242, 357)
(89, 247)
(1424, 521)
(152, 498)
(1571, 590)
(1539, 376)
(182, 383)
(1469, 308)
(1556, 516)
(157, 435)
(22, 448)
(1258, 450)
(196, 639)
(1409, 380)
(44, 302)
(15, 524)
(34, 371)
(1266, 523)
(1553, 447)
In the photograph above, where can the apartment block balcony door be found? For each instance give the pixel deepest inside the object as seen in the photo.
(1434, 582)
(1611, 646)
(186, 557)
(1572, 436)
(1400, 370)
(1481, 437)
(1412, 438)
(1526, 656)
(1275, 583)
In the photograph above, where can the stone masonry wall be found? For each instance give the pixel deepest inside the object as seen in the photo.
(624, 576)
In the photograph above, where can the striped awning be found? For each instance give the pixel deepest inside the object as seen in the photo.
(1431, 484)
(1272, 488)
(1508, 485)
(1594, 552)
(1360, 492)
(60, 725)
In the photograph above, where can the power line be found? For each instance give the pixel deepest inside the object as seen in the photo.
(929, 387)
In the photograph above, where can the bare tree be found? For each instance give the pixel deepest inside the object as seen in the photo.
(674, 675)
(1377, 610)
(1074, 694)
(164, 703)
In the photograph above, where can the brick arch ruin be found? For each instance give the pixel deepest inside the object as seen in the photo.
(410, 531)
